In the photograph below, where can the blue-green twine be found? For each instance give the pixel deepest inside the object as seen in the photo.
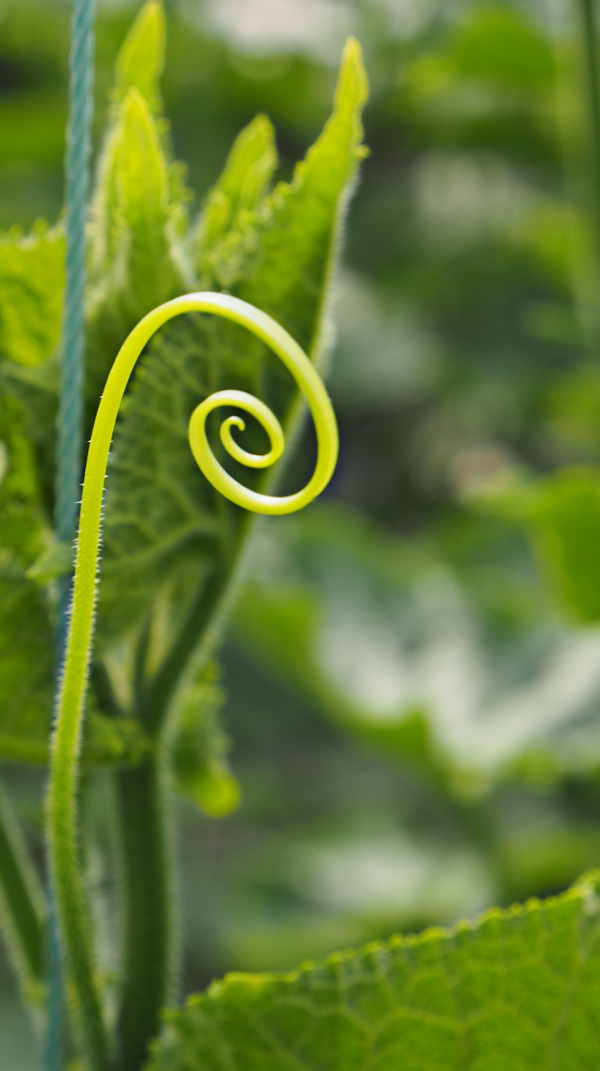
(70, 412)
(69, 455)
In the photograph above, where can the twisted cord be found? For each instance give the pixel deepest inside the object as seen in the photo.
(70, 406)
(70, 411)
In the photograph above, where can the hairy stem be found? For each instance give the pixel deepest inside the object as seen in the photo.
(21, 903)
(149, 945)
(148, 909)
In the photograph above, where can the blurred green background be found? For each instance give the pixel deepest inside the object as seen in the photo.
(412, 677)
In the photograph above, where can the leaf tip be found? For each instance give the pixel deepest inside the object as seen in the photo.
(353, 84)
(141, 59)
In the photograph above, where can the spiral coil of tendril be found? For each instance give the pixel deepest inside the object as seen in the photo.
(313, 391)
(292, 356)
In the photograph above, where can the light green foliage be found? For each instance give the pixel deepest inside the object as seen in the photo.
(26, 643)
(164, 525)
(238, 193)
(31, 284)
(142, 56)
(402, 649)
(518, 988)
(280, 259)
(138, 209)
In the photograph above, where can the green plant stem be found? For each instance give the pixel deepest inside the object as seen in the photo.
(22, 909)
(149, 926)
(143, 799)
(590, 49)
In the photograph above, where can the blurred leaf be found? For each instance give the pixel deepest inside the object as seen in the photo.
(559, 238)
(298, 228)
(199, 750)
(239, 191)
(141, 57)
(31, 285)
(573, 406)
(499, 44)
(133, 243)
(493, 45)
(394, 648)
(26, 635)
(23, 531)
(561, 512)
(495, 990)
(490, 81)
(139, 204)
(26, 665)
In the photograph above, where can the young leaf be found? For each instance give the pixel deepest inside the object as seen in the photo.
(134, 247)
(298, 230)
(516, 988)
(139, 204)
(31, 286)
(158, 502)
(142, 56)
(239, 190)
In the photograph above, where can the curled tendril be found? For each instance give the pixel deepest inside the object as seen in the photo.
(313, 391)
(71, 900)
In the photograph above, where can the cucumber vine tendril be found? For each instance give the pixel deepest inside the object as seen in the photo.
(73, 908)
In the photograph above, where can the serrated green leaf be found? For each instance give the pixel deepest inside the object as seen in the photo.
(29, 559)
(27, 682)
(298, 229)
(141, 57)
(515, 989)
(23, 530)
(133, 241)
(26, 636)
(239, 190)
(26, 665)
(31, 286)
(137, 258)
